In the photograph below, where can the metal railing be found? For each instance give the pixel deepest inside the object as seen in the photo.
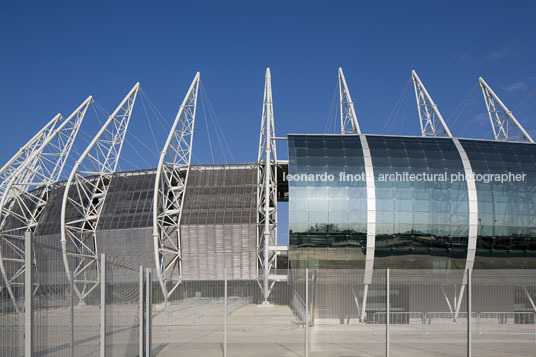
(313, 312)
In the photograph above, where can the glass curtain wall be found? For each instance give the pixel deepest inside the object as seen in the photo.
(328, 201)
(506, 210)
(422, 213)
(421, 222)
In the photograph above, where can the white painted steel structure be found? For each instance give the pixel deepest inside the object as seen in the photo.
(84, 196)
(267, 190)
(371, 223)
(473, 219)
(28, 175)
(349, 124)
(429, 115)
(25, 152)
(170, 186)
(26, 195)
(503, 122)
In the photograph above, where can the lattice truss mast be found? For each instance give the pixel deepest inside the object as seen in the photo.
(503, 122)
(267, 191)
(25, 152)
(37, 166)
(432, 123)
(170, 186)
(84, 196)
(349, 124)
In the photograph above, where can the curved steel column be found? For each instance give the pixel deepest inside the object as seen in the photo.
(473, 217)
(371, 222)
(169, 191)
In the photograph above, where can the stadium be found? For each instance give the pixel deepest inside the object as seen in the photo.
(374, 202)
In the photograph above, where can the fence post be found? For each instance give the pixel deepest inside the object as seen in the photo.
(140, 313)
(387, 311)
(103, 305)
(469, 312)
(28, 299)
(72, 313)
(306, 312)
(148, 313)
(224, 312)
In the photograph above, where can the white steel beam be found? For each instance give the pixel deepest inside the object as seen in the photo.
(371, 225)
(432, 123)
(349, 124)
(473, 220)
(503, 122)
(27, 194)
(25, 152)
(170, 186)
(84, 196)
(267, 190)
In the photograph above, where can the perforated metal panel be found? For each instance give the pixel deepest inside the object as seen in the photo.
(218, 222)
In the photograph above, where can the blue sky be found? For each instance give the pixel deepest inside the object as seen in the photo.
(54, 54)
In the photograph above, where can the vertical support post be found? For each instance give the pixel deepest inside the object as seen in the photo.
(267, 232)
(28, 299)
(387, 311)
(313, 298)
(266, 188)
(469, 312)
(148, 312)
(306, 312)
(72, 315)
(103, 306)
(225, 313)
(140, 313)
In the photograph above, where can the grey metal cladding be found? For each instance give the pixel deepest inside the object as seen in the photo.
(219, 224)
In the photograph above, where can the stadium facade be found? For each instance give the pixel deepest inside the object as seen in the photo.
(191, 222)
(421, 223)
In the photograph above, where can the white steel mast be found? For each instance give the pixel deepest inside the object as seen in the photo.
(27, 193)
(85, 193)
(349, 124)
(169, 191)
(267, 190)
(503, 122)
(25, 152)
(429, 115)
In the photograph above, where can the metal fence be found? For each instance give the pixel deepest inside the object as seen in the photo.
(309, 313)
(320, 313)
(55, 322)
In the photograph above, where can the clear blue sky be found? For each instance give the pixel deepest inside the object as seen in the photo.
(54, 54)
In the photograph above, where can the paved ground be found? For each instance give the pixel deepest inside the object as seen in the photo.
(195, 328)
(260, 331)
